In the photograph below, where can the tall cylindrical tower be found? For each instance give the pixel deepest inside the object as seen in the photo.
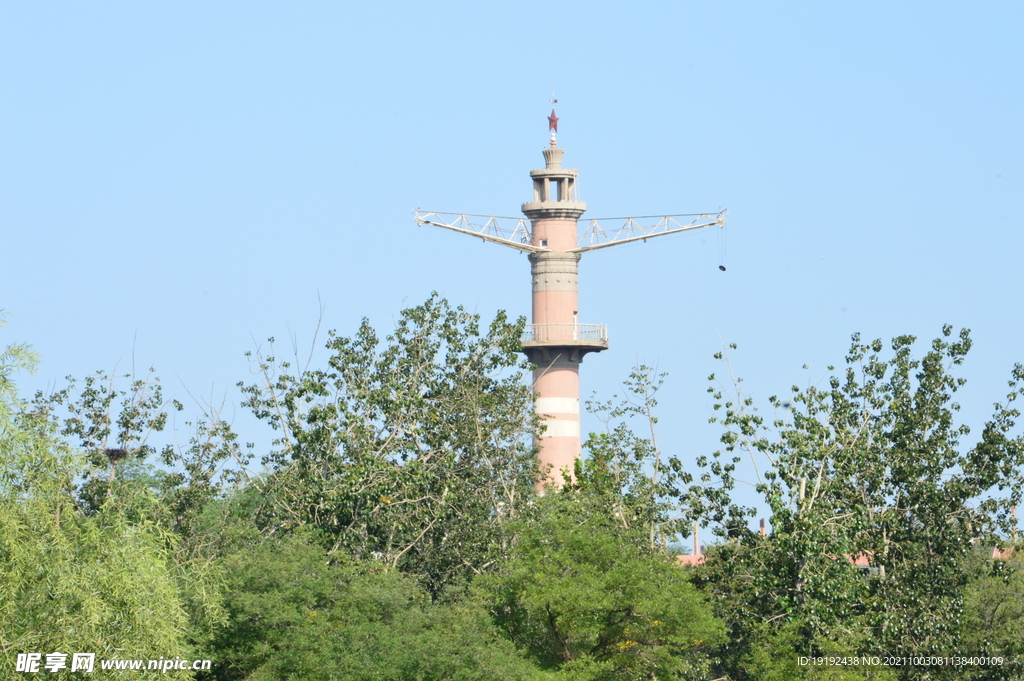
(556, 342)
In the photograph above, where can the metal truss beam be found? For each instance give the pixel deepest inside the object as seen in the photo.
(515, 232)
(636, 229)
(485, 227)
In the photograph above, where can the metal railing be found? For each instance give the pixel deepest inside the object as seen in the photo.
(556, 333)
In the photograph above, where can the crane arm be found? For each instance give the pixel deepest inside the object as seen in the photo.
(494, 229)
(636, 229)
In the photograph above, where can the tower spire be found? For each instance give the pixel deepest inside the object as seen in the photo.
(553, 119)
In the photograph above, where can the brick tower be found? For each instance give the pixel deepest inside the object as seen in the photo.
(556, 341)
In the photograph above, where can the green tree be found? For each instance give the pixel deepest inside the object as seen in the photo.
(170, 486)
(74, 579)
(641, 483)
(873, 466)
(414, 451)
(583, 594)
(993, 622)
(296, 613)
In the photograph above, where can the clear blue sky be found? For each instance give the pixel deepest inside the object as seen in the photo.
(180, 179)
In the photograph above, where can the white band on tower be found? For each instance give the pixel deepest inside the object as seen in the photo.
(557, 405)
(562, 428)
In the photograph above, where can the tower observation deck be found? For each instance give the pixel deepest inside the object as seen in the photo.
(556, 341)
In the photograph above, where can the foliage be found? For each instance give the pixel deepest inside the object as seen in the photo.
(642, 484)
(872, 466)
(297, 614)
(413, 452)
(74, 579)
(115, 427)
(581, 592)
(395, 533)
(993, 622)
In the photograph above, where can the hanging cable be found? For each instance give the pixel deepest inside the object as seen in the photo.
(721, 246)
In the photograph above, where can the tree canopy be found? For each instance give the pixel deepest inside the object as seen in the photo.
(412, 451)
(72, 579)
(873, 467)
(395, 532)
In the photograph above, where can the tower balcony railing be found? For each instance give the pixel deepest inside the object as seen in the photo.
(565, 333)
